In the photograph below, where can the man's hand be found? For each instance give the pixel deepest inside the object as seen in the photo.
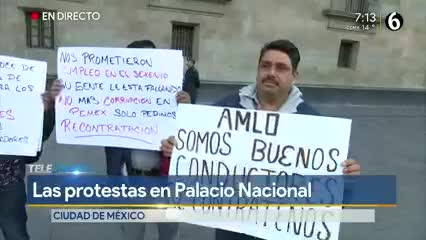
(183, 97)
(167, 146)
(351, 167)
(50, 95)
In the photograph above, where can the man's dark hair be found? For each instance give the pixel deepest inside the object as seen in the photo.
(141, 44)
(285, 46)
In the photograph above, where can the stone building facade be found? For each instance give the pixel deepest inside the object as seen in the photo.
(225, 36)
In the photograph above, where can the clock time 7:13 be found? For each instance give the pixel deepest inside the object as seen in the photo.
(366, 18)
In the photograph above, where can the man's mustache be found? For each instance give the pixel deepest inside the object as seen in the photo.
(270, 79)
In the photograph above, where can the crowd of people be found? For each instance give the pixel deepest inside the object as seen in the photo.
(274, 90)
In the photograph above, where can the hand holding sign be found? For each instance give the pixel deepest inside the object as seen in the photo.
(50, 96)
(183, 97)
(167, 146)
(351, 167)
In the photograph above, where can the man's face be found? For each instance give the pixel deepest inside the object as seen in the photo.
(275, 73)
(188, 63)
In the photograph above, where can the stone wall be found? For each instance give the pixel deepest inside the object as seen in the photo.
(230, 34)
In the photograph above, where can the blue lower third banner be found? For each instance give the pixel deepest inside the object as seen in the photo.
(212, 190)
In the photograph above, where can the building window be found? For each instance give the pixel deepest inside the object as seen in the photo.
(40, 33)
(356, 6)
(183, 38)
(348, 54)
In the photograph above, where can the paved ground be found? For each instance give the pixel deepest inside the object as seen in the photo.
(388, 137)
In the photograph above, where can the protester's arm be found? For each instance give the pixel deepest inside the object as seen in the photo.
(49, 98)
(181, 97)
(351, 167)
(167, 146)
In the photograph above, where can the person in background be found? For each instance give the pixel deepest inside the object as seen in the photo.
(152, 163)
(13, 215)
(191, 82)
(274, 90)
(147, 163)
(117, 158)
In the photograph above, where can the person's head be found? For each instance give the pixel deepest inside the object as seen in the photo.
(277, 67)
(190, 62)
(141, 44)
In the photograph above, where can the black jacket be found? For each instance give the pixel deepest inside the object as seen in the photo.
(191, 81)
